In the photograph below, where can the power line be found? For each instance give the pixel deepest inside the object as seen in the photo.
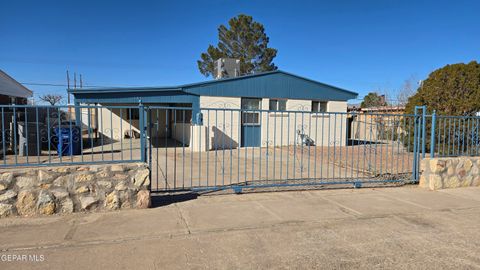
(65, 85)
(43, 84)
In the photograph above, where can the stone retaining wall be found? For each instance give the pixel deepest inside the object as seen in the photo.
(439, 173)
(67, 189)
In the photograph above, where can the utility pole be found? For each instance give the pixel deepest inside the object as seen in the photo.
(68, 87)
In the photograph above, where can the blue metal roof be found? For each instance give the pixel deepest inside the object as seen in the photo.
(274, 84)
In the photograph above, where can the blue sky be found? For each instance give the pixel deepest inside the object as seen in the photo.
(357, 45)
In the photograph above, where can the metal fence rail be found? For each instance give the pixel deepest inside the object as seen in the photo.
(454, 135)
(220, 148)
(62, 135)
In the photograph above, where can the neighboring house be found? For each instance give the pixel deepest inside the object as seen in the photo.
(11, 91)
(376, 123)
(274, 91)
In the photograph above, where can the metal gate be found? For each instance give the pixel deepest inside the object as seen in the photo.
(202, 150)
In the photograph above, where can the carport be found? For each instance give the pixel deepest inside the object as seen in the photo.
(119, 113)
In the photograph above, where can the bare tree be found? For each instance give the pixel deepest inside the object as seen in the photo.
(51, 98)
(408, 89)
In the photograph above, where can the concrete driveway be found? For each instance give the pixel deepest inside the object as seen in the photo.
(395, 228)
(177, 168)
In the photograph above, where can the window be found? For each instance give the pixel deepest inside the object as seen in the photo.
(251, 103)
(251, 117)
(319, 106)
(277, 105)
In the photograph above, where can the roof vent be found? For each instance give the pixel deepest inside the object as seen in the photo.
(226, 68)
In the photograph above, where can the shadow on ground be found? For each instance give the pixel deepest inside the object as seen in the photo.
(159, 200)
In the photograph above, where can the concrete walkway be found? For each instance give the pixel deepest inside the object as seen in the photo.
(400, 228)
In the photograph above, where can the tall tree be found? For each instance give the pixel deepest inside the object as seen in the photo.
(451, 90)
(243, 39)
(373, 100)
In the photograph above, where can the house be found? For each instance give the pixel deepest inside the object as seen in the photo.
(263, 109)
(376, 123)
(11, 91)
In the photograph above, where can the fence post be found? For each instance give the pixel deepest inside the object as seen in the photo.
(432, 135)
(415, 148)
(424, 125)
(142, 127)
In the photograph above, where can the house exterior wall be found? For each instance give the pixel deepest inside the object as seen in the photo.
(281, 129)
(378, 126)
(223, 126)
(114, 124)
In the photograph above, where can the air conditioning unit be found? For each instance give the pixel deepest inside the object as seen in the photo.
(226, 68)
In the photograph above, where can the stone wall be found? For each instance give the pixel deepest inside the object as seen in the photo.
(439, 173)
(67, 189)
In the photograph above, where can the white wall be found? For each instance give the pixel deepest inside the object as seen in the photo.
(107, 121)
(324, 129)
(110, 123)
(223, 126)
(182, 133)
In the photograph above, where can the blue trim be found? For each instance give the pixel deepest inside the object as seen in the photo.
(251, 135)
(134, 97)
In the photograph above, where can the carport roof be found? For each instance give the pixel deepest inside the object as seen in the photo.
(274, 84)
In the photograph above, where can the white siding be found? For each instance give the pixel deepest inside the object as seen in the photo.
(223, 126)
(323, 129)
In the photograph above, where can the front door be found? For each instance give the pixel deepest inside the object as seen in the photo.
(251, 129)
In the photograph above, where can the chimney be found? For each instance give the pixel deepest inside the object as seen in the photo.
(226, 68)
